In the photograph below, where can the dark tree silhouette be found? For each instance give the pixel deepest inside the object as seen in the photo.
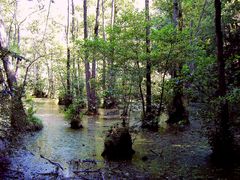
(222, 142)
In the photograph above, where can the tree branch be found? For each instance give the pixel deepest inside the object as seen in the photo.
(7, 52)
(53, 163)
(26, 73)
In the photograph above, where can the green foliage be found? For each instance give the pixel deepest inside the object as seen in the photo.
(74, 111)
(15, 48)
(69, 113)
(202, 82)
(124, 50)
(107, 93)
(34, 122)
(234, 95)
(30, 107)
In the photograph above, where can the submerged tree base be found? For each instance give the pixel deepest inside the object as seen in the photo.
(178, 115)
(109, 103)
(150, 126)
(76, 124)
(34, 124)
(18, 115)
(19, 120)
(177, 109)
(39, 94)
(74, 114)
(91, 112)
(118, 144)
(25, 123)
(223, 145)
(226, 156)
(66, 100)
(150, 122)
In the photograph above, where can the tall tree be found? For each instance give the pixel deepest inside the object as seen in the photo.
(223, 138)
(18, 115)
(74, 76)
(86, 62)
(148, 115)
(113, 13)
(68, 95)
(177, 111)
(93, 85)
(104, 38)
(109, 100)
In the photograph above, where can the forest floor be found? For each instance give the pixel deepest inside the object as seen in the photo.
(58, 152)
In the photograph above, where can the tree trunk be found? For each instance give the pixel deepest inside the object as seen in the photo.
(37, 86)
(50, 93)
(104, 38)
(79, 90)
(160, 107)
(93, 85)
(110, 101)
(87, 66)
(219, 40)
(68, 96)
(148, 116)
(68, 53)
(162, 94)
(75, 89)
(73, 21)
(177, 111)
(141, 91)
(1, 77)
(113, 13)
(222, 144)
(79, 74)
(18, 115)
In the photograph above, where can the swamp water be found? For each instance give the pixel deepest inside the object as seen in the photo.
(58, 152)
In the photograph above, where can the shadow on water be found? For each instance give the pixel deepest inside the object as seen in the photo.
(60, 152)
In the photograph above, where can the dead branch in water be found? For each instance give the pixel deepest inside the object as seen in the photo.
(53, 163)
(48, 174)
(157, 153)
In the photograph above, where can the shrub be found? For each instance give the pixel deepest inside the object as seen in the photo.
(74, 115)
(74, 111)
(34, 123)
